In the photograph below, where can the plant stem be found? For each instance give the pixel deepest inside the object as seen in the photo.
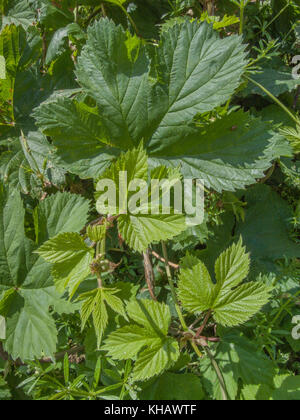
(149, 273)
(172, 288)
(278, 102)
(242, 9)
(103, 10)
(157, 256)
(98, 248)
(99, 281)
(130, 19)
(269, 174)
(76, 12)
(201, 329)
(219, 374)
(276, 17)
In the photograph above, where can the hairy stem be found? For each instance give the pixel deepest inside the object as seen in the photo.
(149, 274)
(171, 264)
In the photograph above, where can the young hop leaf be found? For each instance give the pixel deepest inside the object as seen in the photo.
(94, 303)
(71, 259)
(231, 302)
(146, 339)
(141, 227)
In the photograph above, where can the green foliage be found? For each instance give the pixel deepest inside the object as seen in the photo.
(246, 364)
(159, 110)
(142, 228)
(71, 258)
(150, 330)
(95, 96)
(94, 303)
(30, 329)
(231, 305)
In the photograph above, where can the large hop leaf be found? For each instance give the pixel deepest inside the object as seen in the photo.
(155, 96)
(232, 303)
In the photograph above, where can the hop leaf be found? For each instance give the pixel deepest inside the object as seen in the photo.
(141, 229)
(94, 303)
(146, 340)
(231, 303)
(71, 258)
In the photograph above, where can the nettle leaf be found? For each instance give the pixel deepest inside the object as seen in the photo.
(266, 230)
(118, 83)
(94, 303)
(285, 388)
(238, 359)
(96, 233)
(57, 45)
(147, 340)
(25, 160)
(78, 133)
(20, 49)
(18, 13)
(60, 213)
(9, 49)
(26, 287)
(239, 305)
(143, 227)
(129, 166)
(71, 258)
(155, 98)
(230, 303)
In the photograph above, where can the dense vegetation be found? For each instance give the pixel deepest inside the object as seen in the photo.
(99, 304)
